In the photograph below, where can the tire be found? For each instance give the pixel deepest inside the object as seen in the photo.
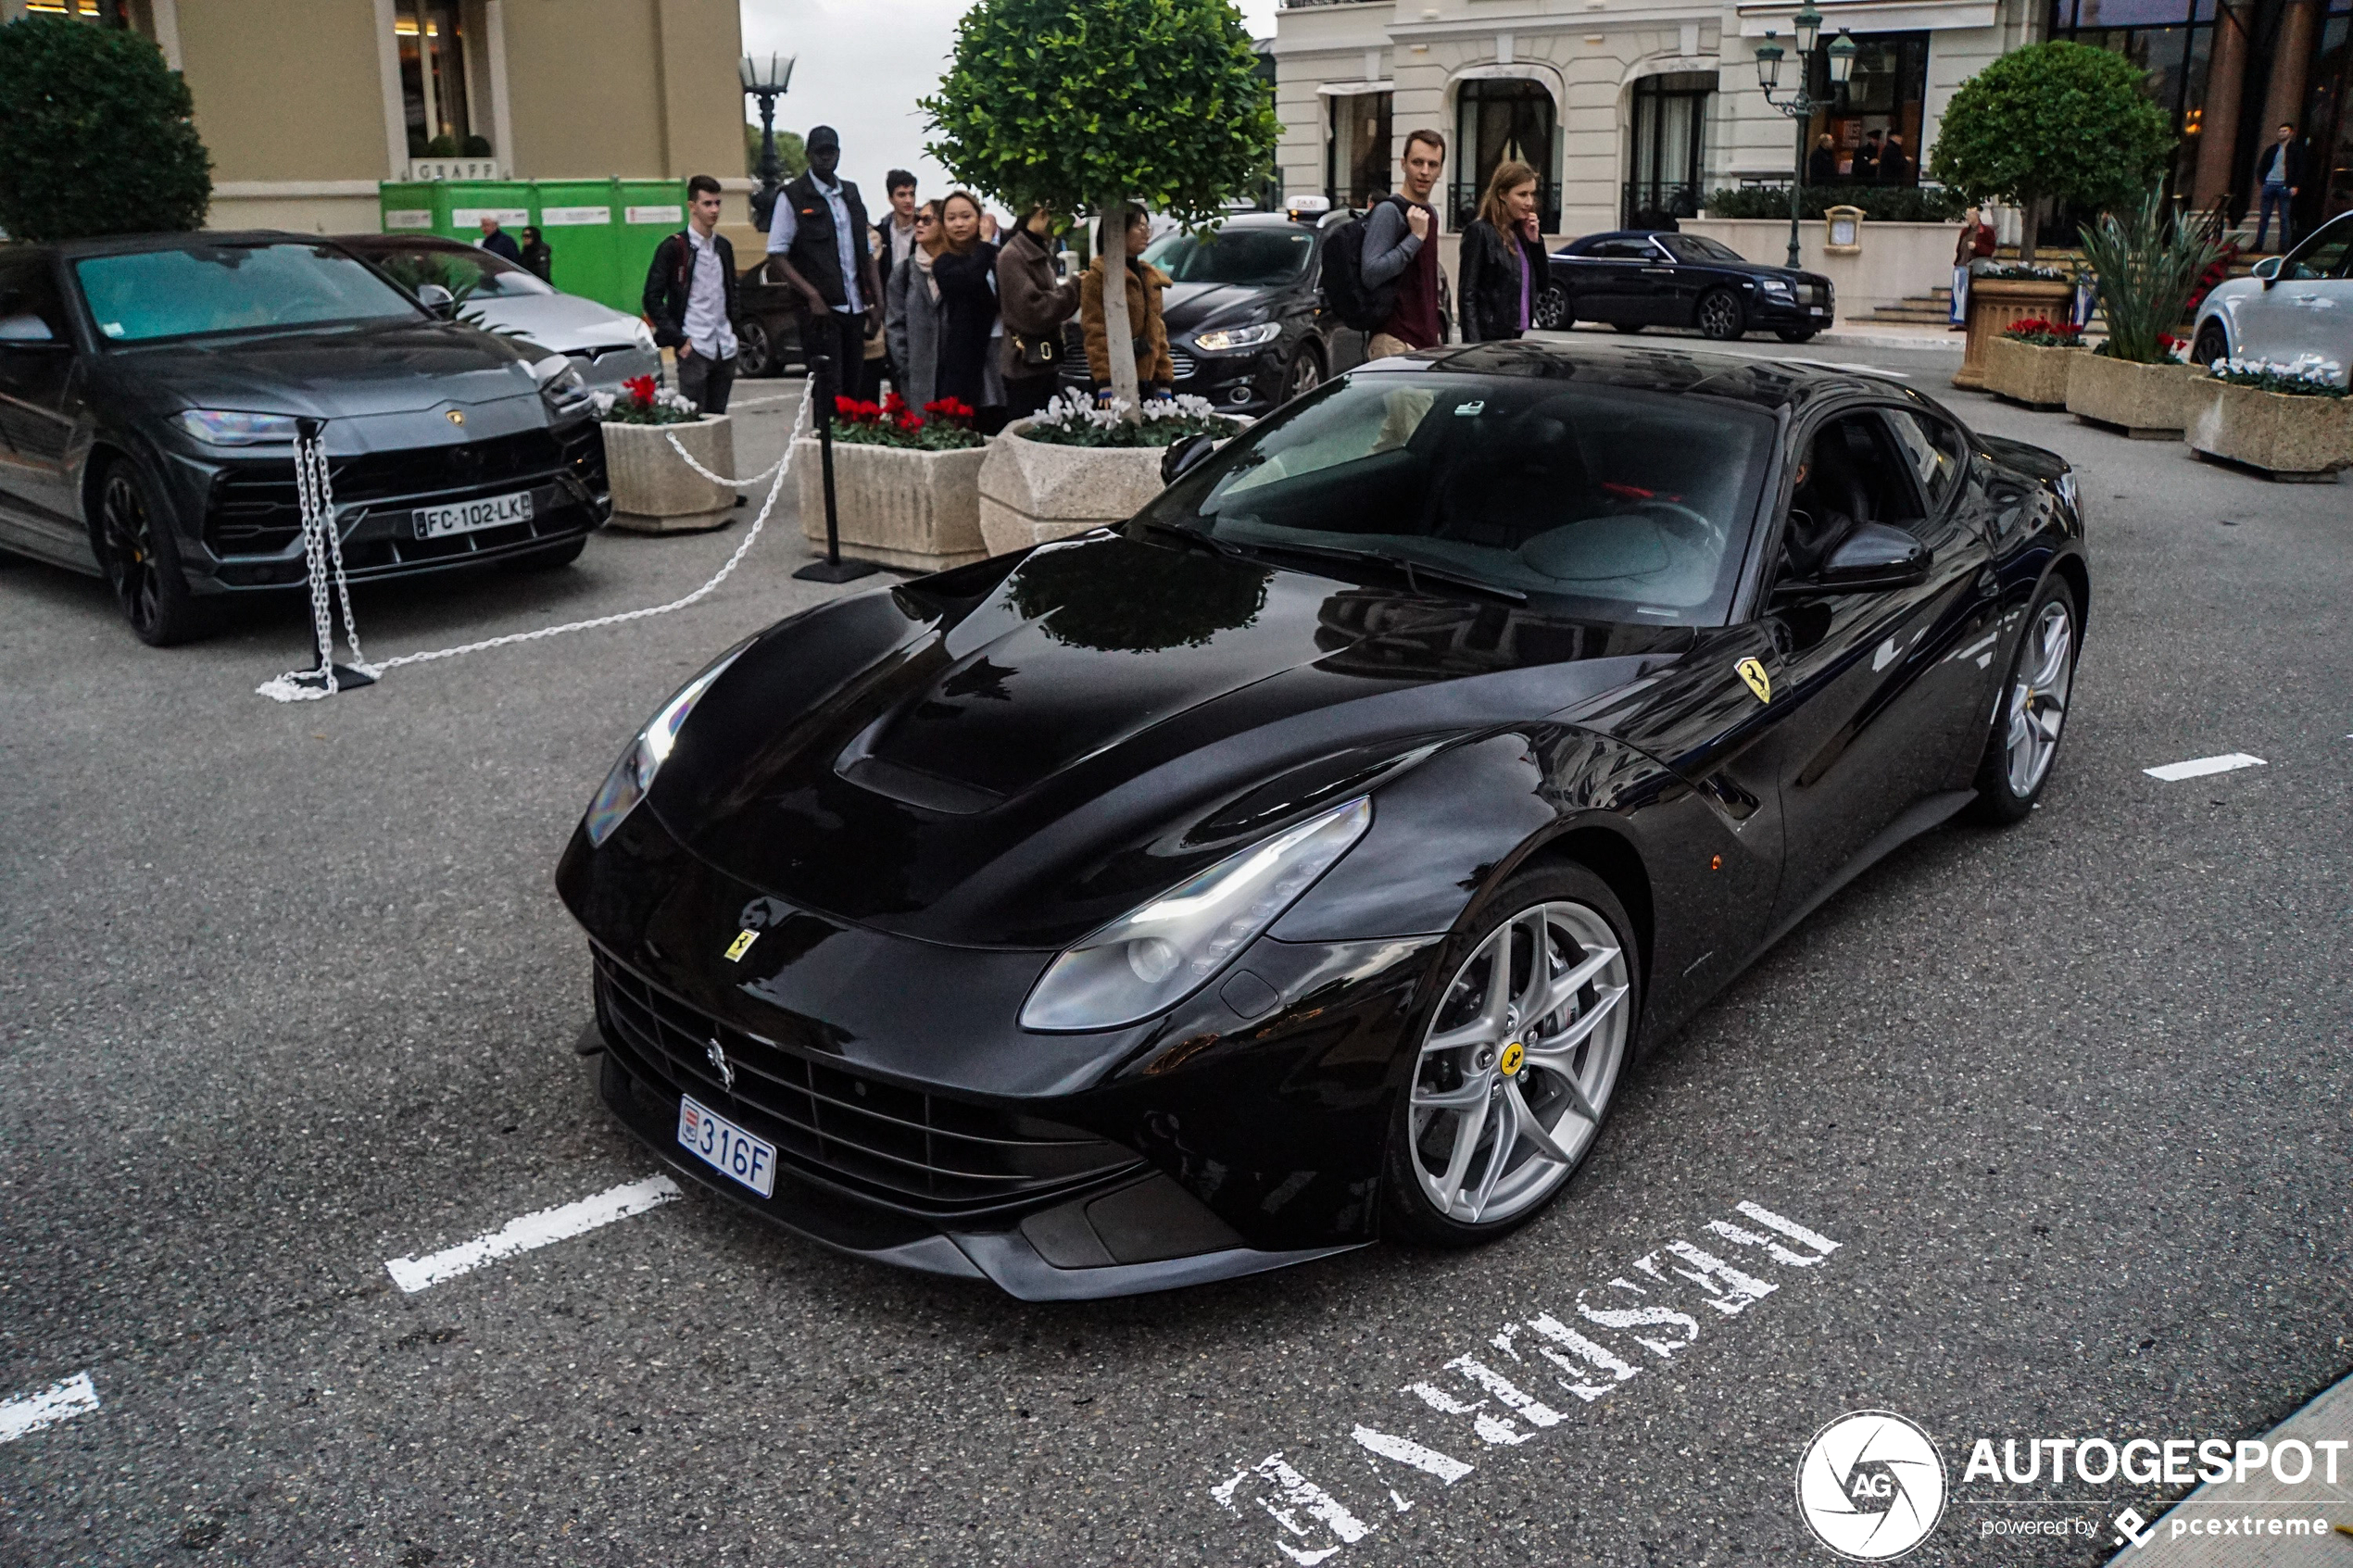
(549, 559)
(2031, 711)
(1303, 374)
(1719, 317)
(1552, 312)
(754, 356)
(1629, 328)
(1563, 1085)
(2213, 343)
(1794, 335)
(140, 559)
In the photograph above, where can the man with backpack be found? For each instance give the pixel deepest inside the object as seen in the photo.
(690, 299)
(1401, 254)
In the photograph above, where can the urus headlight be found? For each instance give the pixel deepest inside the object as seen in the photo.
(1154, 956)
(1223, 339)
(634, 774)
(230, 427)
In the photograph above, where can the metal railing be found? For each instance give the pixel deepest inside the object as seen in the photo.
(1659, 204)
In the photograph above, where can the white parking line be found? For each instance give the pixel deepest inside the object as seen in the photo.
(2174, 772)
(532, 1232)
(28, 1413)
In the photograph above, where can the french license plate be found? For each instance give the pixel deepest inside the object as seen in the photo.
(1819, 311)
(727, 1148)
(465, 517)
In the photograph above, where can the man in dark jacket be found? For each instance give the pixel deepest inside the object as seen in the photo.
(498, 242)
(690, 298)
(894, 243)
(2279, 169)
(1866, 160)
(1894, 167)
(817, 241)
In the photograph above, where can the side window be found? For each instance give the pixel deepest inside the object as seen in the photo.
(1934, 451)
(28, 289)
(1851, 473)
(2324, 256)
(1620, 250)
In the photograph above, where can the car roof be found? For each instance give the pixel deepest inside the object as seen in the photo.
(1762, 382)
(201, 239)
(1619, 235)
(401, 242)
(1305, 224)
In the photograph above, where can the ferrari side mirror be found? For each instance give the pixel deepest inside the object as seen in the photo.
(1184, 454)
(1874, 556)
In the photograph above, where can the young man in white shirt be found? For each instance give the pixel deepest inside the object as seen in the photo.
(690, 298)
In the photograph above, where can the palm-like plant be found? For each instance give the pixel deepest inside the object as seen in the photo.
(2148, 264)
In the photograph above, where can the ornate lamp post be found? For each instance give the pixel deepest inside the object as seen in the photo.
(1800, 103)
(766, 80)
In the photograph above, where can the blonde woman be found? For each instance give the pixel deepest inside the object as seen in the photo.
(1503, 269)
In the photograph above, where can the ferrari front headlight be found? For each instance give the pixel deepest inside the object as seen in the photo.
(634, 774)
(1155, 956)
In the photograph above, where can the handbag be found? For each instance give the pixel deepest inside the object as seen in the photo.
(1036, 352)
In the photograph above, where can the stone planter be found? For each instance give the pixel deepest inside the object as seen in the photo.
(918, 511)
(2026, 373)
(1031, 492)
(2303, 439)
(655, 493)
(2146, 402)
(1993, 304)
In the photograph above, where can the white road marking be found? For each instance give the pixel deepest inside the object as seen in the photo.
(28, 1413)
(532, 1232)
(1585, 1367)
(2198, 768)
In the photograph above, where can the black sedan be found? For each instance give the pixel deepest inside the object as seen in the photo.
(151, 392)
(768, 315)
(1248, 327)
(1638, 278)
(1308, 859)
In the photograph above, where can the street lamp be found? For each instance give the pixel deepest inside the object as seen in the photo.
(1800, 102)
(766, 80)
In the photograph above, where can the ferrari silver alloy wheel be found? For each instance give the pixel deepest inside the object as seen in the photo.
(2037, 703)
(1519, 1063)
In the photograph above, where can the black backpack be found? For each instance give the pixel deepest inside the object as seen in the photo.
(1365, 307)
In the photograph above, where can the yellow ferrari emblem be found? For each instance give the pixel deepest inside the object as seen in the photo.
(1514, 1054)
(1758, 681)
(455, 416)
(741, 944)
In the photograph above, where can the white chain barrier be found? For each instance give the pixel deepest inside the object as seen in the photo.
(325, 554)
(322, 558)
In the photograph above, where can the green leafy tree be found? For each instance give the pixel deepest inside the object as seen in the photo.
(1085, 104)
(2057, 122)
(791, 156)
(94, 136)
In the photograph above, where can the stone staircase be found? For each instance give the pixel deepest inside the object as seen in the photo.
(1934, 309)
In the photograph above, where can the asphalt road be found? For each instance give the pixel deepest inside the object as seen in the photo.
(285, 994)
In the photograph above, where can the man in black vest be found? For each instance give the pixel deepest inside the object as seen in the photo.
(817, 241)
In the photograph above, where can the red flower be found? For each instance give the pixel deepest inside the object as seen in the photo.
(950, 409)
(893, 406)
(640, 390)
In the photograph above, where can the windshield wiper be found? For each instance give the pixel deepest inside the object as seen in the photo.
(1412, 570)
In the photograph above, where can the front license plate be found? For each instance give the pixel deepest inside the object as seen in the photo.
(1819, 311)
(465, 517)
(727, 1148)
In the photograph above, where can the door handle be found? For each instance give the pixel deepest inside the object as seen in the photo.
(1659, 271)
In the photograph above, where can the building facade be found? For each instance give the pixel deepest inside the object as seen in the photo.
(1633, 110)
(308, 104)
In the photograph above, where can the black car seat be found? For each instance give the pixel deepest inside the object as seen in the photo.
(1831, 501)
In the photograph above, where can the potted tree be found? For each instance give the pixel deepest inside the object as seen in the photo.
(98, 137)
(2148, 266)
(1085, 104)
(906, 484)
(2292, 422)
(653, 492)
(1077, 467)
(2057, 122)
(2029, 362)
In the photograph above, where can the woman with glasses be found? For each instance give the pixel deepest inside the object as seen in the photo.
(911, 322)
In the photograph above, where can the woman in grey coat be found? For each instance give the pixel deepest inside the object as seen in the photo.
(910, 312)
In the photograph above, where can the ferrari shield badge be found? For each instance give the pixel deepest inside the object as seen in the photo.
(741, 944)
(1750, 672)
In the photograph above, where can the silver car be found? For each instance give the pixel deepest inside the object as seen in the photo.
(491, 292)
(2297, 308)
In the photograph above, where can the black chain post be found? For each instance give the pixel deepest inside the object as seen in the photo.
(832, 569)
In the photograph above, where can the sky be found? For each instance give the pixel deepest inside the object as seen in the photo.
(863, 63)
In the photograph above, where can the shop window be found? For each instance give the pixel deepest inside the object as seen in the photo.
(1670, 132)
(1356, 159)
(1499, 120)
(433, 78)
(1884, 95)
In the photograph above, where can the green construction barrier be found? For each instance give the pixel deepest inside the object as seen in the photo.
(600, 233)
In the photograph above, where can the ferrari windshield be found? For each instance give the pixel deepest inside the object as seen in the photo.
(1633, 504)
(198, 288)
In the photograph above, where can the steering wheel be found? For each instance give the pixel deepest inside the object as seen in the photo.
(1692, 527)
